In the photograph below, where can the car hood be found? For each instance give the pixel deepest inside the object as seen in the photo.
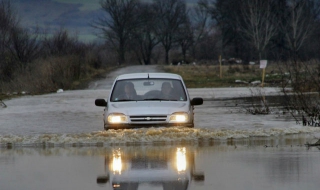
(148, 107)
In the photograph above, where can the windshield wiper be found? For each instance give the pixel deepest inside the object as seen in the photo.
(159, 99)
(125, 100)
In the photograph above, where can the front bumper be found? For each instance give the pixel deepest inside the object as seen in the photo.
(133, 126)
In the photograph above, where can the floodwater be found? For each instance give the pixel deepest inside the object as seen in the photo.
(57, 141)
(226, 165)
(228, 149)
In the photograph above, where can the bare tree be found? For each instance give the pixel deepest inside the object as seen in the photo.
(144, 37)
(8, 21)
(225, 14)
(302, 76)
(185, 38)
(118, 25)
(301, 17)
(257, 22)
(201, 21)
(172, 15)
(61, 43)
(24, 47)
(302, 102)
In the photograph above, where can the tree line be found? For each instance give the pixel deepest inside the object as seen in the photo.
(159, 31)
(244, 29)
(40, 62)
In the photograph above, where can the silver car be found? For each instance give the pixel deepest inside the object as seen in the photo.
(148, 100)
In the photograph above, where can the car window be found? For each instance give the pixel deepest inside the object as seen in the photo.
(148, 90)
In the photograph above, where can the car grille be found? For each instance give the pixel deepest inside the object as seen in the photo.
(148, 118)
(141, 163)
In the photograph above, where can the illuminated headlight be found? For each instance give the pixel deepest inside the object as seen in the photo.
(117, 118)
(179, 118)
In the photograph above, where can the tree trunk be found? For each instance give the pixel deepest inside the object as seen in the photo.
(167, 57)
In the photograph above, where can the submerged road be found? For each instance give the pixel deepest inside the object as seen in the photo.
(74, 112)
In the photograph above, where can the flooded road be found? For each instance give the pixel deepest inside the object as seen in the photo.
(57, 141)
(62, 149)
(71, 118)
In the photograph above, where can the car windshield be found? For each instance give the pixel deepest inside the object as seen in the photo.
(148, 90)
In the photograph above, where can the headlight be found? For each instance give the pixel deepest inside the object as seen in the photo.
(117, 118)
(179, 118)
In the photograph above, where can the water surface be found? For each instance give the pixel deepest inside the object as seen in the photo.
(243, 165)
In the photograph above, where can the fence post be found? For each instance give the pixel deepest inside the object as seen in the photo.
(263, 65)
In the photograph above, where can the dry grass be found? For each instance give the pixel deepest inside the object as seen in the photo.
(49, 75)
(196, 76)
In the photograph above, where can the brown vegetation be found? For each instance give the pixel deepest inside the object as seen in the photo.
(303, 102)
(208, 75)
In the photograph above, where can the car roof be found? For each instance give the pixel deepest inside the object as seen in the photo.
(149, 75)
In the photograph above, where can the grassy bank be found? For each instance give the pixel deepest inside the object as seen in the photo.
(200, 76)
(17, 87)
(195, 76)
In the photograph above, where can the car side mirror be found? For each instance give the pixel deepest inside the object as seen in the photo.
(102, 179)
(196, 101)
(100, 102)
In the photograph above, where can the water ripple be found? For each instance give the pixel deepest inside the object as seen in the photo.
(146, 136)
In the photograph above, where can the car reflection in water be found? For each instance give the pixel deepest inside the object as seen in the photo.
(171, 169)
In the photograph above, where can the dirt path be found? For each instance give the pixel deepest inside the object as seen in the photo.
(106, 83)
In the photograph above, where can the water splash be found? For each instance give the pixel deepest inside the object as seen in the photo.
(172, 135)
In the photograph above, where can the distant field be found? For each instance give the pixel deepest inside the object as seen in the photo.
(206, 76)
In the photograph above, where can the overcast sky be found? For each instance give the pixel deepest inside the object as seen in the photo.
(51, 15)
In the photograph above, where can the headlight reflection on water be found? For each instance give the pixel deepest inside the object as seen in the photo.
(117, 162)
(117, 165)
(181, 159)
